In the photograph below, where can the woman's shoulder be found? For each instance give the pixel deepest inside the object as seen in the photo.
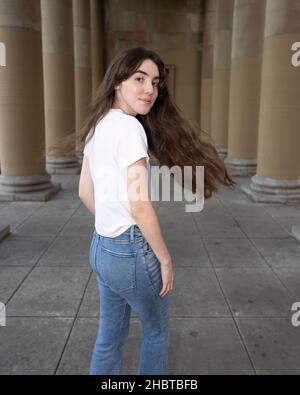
(128, 124)
(127, 120)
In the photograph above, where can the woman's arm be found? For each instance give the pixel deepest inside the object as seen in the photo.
(143, 211)
(146, 218)
(86, 186)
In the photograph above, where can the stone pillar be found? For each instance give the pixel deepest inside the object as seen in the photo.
(22, 137)
(221, 75)
(82, 53)
(59, 94)
(246, 59)
(97, 42)
(277, 178)
(207, 64)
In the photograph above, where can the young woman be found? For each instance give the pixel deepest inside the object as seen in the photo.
(131, 116)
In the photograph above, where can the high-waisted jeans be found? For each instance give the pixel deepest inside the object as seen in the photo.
(129, 277)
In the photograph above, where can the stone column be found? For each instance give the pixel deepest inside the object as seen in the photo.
(246, 59)
(59, 94)
(207, 63)
(277, 178)
(97, 42)
(221, 75)
(82, 53)
(22, 136)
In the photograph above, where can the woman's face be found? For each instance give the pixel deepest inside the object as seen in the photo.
(137, 94)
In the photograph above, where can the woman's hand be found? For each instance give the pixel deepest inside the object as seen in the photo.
(167, 276)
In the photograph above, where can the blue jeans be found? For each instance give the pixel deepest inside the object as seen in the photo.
(129, 277)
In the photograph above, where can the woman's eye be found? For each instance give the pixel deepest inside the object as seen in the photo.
(141, 78)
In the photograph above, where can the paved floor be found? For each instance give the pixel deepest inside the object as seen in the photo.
(237, 274)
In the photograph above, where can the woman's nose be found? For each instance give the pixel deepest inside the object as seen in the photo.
(148, 87)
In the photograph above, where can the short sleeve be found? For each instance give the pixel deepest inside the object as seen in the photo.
(132, 144)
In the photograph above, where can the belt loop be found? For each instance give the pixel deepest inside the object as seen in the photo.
(131, 233)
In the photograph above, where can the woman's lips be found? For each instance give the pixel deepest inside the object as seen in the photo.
(146, 101)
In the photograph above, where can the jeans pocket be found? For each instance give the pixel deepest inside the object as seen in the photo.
(153, 270)
(118, 269)
(92, 253)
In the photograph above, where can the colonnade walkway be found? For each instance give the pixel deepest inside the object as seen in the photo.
(237, 274)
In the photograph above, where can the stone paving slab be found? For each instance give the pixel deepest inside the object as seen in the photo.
(288, 222)
(15, 213)
(77, 355)
(67, 251)
(279, 252)
(198, 346)
(273, 344)
(177, 223)
(19, 250)
(233, 253)
(280, 210)
(207, 346)
(42, 225)
(261, 227)
(218, 226)
(237, 273)
(197, 293)
(78, 227)
(50, 291)
(187, 249)
(10, 278)
(291, 278)
(90, 303)
(246, 209)
(255, 292)
(32, 345)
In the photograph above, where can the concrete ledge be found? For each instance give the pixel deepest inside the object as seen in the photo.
(296, 232)
(4, 231)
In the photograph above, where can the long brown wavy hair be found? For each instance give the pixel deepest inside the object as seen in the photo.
(172, 139)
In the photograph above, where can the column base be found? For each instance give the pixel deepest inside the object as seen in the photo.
(240, 167)
(27, 188)
(63, 165)
(222, 152)
(269, 190)
(4, 231)
(79, 156)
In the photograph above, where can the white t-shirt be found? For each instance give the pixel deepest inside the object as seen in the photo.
(118, 141)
